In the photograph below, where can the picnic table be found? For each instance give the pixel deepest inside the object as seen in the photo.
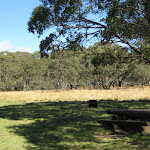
(132, 120)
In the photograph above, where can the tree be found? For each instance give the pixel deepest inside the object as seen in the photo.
(11, 71)
(109, 62)
(33, 70)
(76, 21)
(140, 74)
(21, 71)
(63, 69)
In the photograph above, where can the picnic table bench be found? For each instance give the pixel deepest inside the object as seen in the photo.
(132, 120)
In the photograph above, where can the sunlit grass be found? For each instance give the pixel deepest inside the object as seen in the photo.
(134, 93)
(60, 120)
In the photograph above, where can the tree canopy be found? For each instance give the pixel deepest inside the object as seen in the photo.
(74, 22)
(99, 66)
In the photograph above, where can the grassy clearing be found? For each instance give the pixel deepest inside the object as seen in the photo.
(134, 93)
(57, 120)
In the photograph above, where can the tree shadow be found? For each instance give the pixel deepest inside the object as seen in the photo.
(62, 125)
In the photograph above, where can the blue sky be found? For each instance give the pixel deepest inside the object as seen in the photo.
(14, 35)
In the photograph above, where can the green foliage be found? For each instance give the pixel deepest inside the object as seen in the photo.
(18, 69)
(74, 22)
(64, 68)
(100, 66)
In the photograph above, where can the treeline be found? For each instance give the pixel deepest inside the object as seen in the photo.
(96, 67)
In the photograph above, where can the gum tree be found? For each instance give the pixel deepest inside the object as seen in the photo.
(74, 22)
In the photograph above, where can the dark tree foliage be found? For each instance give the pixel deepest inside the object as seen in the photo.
(96, 67)
(74, 22)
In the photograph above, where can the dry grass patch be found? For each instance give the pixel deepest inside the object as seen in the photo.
(134, 93)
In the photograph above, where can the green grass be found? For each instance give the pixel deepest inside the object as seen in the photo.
(65, 125)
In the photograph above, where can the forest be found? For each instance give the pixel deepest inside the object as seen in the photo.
(118, 56)
(96, 67)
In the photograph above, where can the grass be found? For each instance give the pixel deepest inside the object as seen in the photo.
(61, 120)
(135, 93)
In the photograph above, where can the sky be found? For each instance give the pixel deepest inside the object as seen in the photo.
(14, 35)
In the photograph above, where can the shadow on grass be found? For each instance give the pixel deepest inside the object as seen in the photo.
(63, 125)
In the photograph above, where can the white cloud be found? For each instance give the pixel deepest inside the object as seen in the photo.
(23, 49)
(7, 46)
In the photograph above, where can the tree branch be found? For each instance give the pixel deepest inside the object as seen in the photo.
(120, 38)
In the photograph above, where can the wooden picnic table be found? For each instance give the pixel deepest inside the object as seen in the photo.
(132, 114)
(128, 119)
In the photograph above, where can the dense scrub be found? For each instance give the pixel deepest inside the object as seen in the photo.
(96, 67)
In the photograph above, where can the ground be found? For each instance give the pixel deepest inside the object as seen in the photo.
(57, 120)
